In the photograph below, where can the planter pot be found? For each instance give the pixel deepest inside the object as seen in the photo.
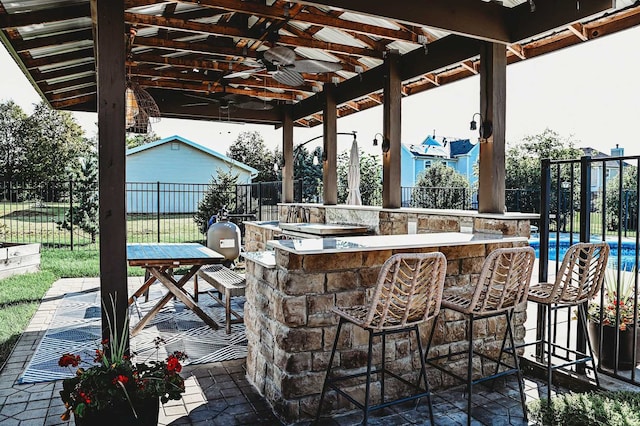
(625, 345)
(122, 415)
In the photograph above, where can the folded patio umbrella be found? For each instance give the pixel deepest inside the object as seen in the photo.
(353, 175)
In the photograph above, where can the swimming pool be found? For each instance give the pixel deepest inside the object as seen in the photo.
(628, 250)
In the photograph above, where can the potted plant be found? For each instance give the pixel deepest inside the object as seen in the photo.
(115, 389)
(624, 304)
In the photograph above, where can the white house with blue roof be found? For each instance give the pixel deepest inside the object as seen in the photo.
(170, 173)
(459, 154)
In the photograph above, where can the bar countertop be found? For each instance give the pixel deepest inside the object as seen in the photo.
(383, 242)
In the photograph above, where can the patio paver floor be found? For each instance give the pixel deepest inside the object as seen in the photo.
(219, 393)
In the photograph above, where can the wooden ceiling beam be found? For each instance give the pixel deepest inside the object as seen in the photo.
(59, 58)
(470, 66)
(472, 18)
(448, 50)
(277, 12)
(578, 30)
(171, 104)
(517, 50)
(228, 31)
(63, 85)
(89, 98)
(39, 42)
(39, 76)
(551, 14)
(46, 16)
(330, 47)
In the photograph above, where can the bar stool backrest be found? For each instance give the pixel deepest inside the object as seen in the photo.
(581, 274)
(408, 290)
(504, 280)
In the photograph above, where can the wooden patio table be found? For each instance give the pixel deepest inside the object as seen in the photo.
(158, 259)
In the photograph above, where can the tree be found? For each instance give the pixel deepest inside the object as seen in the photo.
(626, 199)
(440, 187)
(249, 148)
(12, 153)
(221, 192)
(141, 139)
(84, 213)
(53, 144)
(523, 163)
(370, 178)
(310, 174)
(523, 160)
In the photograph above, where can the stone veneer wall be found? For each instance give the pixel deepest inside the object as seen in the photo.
(256, 236)
(398, 222)
(290, 327)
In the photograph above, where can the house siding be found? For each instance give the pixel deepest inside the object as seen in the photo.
(170, 176)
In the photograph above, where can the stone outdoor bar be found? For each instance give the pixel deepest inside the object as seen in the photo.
(291, 290)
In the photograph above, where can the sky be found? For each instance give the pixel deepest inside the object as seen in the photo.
(589, 93)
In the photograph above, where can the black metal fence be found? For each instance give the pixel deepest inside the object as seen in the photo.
(156, 211)
(164, 212)
(594, 199)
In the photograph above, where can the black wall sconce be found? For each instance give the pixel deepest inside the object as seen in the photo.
(385, 142)
(486, 127)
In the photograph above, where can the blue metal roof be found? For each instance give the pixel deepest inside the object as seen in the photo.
(460, 147)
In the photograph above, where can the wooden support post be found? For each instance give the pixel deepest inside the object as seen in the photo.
(287, 154)
(330, 148)
(110, 34)
(493, 81)
(392, 120)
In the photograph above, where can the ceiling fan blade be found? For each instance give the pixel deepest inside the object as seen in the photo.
(288, 77)
(315, 66)
(196, 104)
(255, 105)
(244, 73)
(202, 98)
(280, 55)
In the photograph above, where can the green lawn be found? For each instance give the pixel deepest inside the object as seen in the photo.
(20, 295)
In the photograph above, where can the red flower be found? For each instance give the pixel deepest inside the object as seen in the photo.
(69, 359)
(173, 364)
(121, 378)
(99, 356)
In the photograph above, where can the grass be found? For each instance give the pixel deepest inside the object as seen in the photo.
(20, 295)
(615, 408)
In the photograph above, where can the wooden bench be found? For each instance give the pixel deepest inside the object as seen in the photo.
(227, 283)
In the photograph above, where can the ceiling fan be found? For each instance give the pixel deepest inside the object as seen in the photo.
(227, 100)
(281, 63)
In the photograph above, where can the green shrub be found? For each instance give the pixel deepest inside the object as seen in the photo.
(586, 409)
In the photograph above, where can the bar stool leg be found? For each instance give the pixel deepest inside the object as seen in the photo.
(470, 370)
(368, 384)
(509, 315)
(549, 347)
(423, 373)
(326, 379)
(384, 351)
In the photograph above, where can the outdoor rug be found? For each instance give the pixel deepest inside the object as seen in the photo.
(76, 329)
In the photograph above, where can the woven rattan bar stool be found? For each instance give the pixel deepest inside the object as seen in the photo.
(502, 285)
(578, 280)
(408, 292)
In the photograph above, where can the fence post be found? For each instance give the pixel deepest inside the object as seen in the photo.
(585, 236)
(158, 208)
(259, 200)
(71, 212)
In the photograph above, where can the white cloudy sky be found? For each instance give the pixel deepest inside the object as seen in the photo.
(590, 92)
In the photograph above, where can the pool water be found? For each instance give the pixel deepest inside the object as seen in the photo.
(628, 252)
